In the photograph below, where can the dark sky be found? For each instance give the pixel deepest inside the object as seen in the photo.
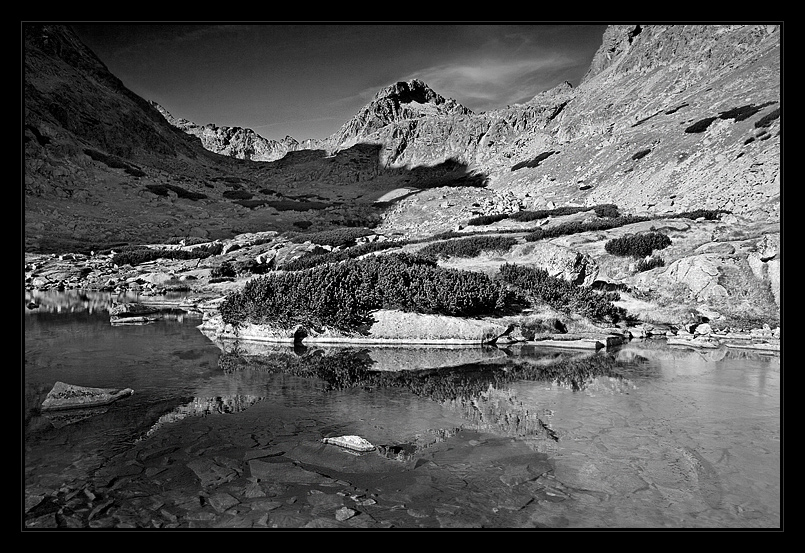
(306, 80)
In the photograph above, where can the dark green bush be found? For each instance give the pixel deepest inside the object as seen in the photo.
(487, 219)
(468, 247)
(533, 162)
(223, 270)
(576, 227)
(607, 211)
(701, 125)
(560, 294)
(139, 254)
(343, 295)
(742, 112)
(525, 216)
(709, 214)
(637, 245)
(334, 237)
(237, 195)
(767, 119)
(251, 267)
(641, 154)
(314, 260)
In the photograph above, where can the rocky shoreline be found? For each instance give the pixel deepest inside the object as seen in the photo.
(198, 292)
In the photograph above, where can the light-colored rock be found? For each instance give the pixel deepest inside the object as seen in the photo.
(355, 443)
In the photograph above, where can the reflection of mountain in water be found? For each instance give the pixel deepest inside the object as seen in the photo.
(201, 406)
(478, 391)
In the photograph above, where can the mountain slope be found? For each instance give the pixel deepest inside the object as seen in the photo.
(236, 142)
(668, 118)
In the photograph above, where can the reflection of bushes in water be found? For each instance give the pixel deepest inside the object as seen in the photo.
(352, 369)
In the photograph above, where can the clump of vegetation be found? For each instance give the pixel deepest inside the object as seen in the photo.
(674, 110)
(708, 214)
(607, 211)
(533, 162)
(641, 154)
(224, 270)
(251, 266)
(602, 210)
(114, 162)
(637, 245)
(468, 247)
(646, 264)
(560, 294)
(743, 112)
(767, 119)
(134, 255)
(163, 189)
(237, 195)
(577, 227)
(251, 204)
(487, 219)
(525, 216)
(701, 125)
(335, 237)
(314, 260)
(187, 240)
(342, 296)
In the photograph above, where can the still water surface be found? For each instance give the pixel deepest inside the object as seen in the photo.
(645, 437)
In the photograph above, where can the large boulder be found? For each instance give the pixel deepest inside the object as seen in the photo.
(560, 261)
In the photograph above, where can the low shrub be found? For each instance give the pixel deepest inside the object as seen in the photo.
(487, 219)
(342, 296)
(525, 216)
(560, 294)
(223, 270)
(607, 211)
(767, 119)
(334, 237)
(700, 126)
(533, 162)
(134, 255)
(709, 214)
(237, 195)
(467, 247)
(641, 154)
(637, 245)
(577, 227)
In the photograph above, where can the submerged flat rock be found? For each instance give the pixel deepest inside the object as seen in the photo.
(68, 396)
(355, 443)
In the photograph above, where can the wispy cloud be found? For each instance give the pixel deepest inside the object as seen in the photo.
(493, 83)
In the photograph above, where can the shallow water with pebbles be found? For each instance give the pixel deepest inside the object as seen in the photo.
(659, 437)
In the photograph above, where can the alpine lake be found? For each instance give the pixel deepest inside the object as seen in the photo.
(230, 436)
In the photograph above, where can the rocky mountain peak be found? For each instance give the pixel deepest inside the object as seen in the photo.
(406, 92)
